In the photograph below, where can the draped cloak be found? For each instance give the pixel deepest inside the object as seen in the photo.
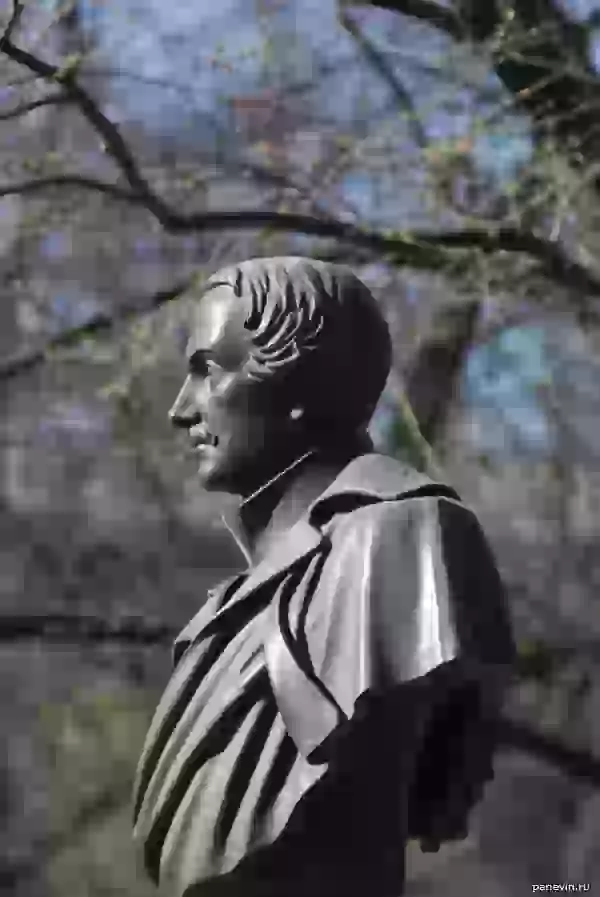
(386, 580)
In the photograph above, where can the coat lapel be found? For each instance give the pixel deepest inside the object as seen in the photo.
(374, 476)
(297, 543)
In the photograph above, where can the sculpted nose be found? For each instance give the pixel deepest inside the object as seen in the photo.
(184, 412)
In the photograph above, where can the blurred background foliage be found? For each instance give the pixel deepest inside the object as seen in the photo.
(448, 151)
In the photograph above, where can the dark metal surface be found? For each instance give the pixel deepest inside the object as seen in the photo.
(291, 715)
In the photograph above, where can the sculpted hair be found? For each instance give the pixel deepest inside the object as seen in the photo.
(318, 331)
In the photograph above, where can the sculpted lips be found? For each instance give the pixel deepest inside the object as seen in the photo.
(201, 437)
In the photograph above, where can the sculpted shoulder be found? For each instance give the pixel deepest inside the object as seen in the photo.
(378, 486)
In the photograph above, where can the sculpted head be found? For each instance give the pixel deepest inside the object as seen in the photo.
(285, 355)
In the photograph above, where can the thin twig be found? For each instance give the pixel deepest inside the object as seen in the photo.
(100, 323)
(380, 64)
(114, 143)
(66, 628)
(419, 250)
(440, 17)
(37, 185)
(17, 12)
(24, 108)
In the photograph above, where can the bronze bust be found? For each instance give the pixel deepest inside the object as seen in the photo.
(338, 696)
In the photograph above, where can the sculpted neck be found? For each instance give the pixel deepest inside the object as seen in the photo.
(277, 505)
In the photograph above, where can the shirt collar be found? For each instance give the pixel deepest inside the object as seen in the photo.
(232, 520)
(368, 476)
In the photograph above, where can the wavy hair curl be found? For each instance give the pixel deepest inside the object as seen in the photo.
(317, 330)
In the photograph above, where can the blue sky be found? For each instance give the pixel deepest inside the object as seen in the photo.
(580, 9)
(176, 44)
(500, 382)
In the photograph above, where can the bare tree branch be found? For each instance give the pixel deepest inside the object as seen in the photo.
(577, 763)
(432, 382)
(114, 143)
(380, 64)
(431, 13)
(83, 630)
(25, 361)
(540, 54)
(17, 12)
(419, 249)
(38, 185)
(270, 177)
(24, 108)
(66, 629)
(93, 812)
(543, 60)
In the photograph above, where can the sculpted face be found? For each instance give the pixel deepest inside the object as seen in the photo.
(272, 337)
(235, 423)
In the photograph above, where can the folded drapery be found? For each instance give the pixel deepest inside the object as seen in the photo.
(308, 672)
